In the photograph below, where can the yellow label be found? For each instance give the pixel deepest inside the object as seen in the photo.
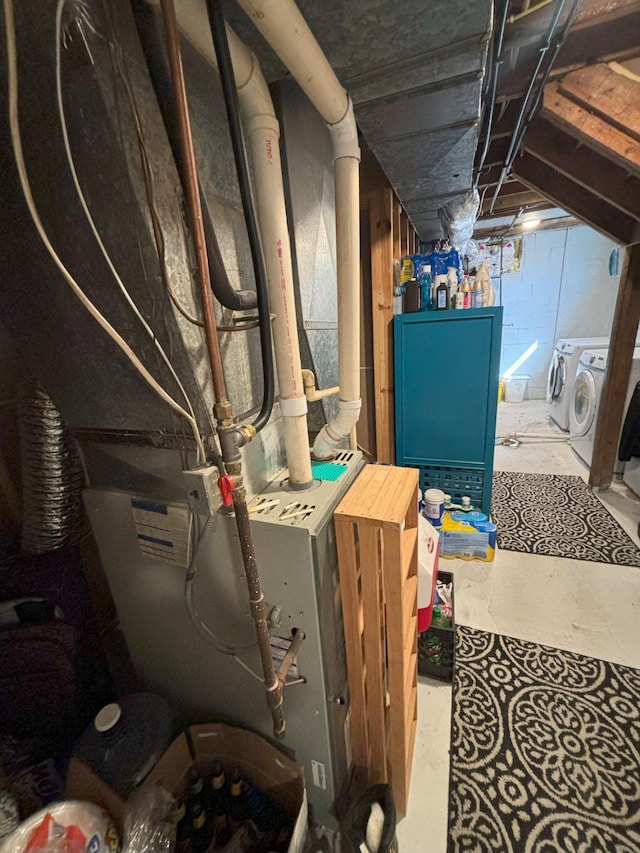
(406, 271)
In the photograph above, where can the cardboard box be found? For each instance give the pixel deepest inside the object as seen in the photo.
(276, 774)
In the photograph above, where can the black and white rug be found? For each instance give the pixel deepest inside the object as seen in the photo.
(557, 516)
(544, 752)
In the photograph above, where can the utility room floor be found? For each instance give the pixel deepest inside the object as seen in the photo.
(570, 604)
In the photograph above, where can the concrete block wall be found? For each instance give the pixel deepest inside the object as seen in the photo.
(563, 290)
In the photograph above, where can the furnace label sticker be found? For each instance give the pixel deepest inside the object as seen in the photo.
(319, 776)
(162, 531)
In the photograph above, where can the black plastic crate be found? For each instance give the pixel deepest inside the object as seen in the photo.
(438, 638)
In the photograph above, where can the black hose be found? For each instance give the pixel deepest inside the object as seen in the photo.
(152, 42)
(227, 79)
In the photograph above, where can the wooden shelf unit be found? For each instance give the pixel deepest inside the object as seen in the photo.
(376, 530)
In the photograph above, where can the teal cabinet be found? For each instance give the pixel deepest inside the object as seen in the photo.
(446, 395)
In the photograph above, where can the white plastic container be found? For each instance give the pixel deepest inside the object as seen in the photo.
(515, 388)
(434, 506)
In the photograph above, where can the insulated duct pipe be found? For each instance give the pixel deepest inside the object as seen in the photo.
(150, 34)
(284, 28)
(239, 69)
(230, 435)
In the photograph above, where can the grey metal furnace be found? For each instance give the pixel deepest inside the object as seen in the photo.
(206, 664)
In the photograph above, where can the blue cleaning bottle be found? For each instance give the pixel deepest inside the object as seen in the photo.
(425, 288)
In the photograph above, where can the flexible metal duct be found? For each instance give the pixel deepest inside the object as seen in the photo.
(51, 475)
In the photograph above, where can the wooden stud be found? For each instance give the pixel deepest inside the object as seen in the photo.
(577, 200)
(583, 165)
(381, 218)
(404, 233)
(623, 340)
(591, 129)
(395, 229)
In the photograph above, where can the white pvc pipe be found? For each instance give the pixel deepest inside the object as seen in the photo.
(282, 25)
(263, 142)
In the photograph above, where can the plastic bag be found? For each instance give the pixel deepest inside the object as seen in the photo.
(148, 823)
(458, 218)
(67, 827)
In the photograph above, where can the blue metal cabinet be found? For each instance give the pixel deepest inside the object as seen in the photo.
(446, 395)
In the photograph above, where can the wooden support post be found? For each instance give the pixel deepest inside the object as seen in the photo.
(623, 339)
(381, 218)
(395, 229)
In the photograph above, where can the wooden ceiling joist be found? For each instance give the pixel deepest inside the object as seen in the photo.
(495, 231)
(591, 130)
(600, 38)
(506, 204)
(577, 200)
(610, 95)
(583, 165)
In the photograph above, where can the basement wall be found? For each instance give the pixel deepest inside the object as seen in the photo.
(563, 290)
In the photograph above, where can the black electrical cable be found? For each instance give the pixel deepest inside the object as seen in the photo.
(150, 34)
(227, 79)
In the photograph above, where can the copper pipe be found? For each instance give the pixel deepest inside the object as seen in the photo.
(194, 210)
(223, 410)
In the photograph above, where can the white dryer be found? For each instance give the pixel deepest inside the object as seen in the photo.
(585, 400)
(562, 371)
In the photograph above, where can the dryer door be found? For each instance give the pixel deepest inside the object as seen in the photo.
(556, 378)
(584, 402)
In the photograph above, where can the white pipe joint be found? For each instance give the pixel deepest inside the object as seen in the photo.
(344, 135)
(330, 436)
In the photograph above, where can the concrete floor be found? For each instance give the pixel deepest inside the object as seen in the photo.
(584, 607)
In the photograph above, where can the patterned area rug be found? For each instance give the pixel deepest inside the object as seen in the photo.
(558, 516)
(544, 751)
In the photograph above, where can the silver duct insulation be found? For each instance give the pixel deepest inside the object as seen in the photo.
(52, 475)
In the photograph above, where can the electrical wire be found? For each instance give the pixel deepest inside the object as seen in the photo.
(190, 596)
(14, 125)
(89, 217)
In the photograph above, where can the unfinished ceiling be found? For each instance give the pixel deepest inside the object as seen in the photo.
(564, 130)
(415, 75)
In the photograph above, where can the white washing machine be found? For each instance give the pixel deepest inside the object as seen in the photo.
(562, 371)
(585, 400)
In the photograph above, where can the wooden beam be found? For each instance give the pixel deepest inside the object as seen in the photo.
(613, 96)
(381, 219)
(480, 233)
(577, 200)
(602, 38)
(591, 129)
(489, 177)
(497, 153)
(532, 28)
(513, 201)
(623, 340)
(583, 165)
